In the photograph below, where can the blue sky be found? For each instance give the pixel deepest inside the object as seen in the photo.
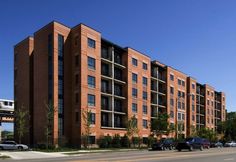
(197, 37)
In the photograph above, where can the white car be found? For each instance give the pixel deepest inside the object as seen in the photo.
(230, 144)
(12, 145)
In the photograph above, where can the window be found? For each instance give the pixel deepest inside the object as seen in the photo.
(91, 43)
(208, 102)
(179, 82)
(172, 90)
(212, 103)
(76, 97)
(179, 94)
(144, 95)
(91, 63)
(76, 79)
(212, 94)
(145, 81)
(172, 77)
(92, 118)
(193, 118)
(179, 116)
(183, 116)
(193, 108)
(193, 97)
(183, 83)
(134, 78)
(91, 140)
(134, 92)
(91, 81)
(172, 102)
(208, 92)
(172, 114)
(91, 100)
(134, 108)
(145, 124)
(144, 109)
(145, 66)
(183, 95)
(179, 105)
(193, 86)
(183, 105)
(76, 60)
(134, 62)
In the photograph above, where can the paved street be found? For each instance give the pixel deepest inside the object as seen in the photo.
(212, 155)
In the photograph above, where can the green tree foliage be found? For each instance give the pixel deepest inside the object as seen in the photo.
(116, 141)
(21, 118)
(160, 125)
(125, 142)
(209, 134)
(229, 126)
(132, 128)
(87, 122)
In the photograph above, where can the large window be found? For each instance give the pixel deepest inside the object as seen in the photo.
(91, 100)
(145, 95)
(92, 118)
(91, 81)
(145, 81)
(134, 92)
(134, 62)
(134, 78)
(134, 108)
(172, 77)
(145, 124)
(144, 109)
(172, 90)
(145, 67)
(91, 43)
(91, 63)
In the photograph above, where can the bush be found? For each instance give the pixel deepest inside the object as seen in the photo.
(105, 142)
(125, 142)
(136, 141)
(116, 142)
(151, 140)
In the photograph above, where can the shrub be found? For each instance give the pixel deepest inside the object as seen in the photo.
(105, 142)
(116, 142)
(125, 142)
(151, 140)
(136, 141)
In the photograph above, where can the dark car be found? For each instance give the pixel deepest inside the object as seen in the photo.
(217, 144)
(190, 144)
(206, 144)
(164, 144)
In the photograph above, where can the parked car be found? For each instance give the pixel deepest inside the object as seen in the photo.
(230, 144)
(190, 144)
(205, 143)
(217, 144)
(164, 144)
(12, 145)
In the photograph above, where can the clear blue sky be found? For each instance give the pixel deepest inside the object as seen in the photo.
(197, 37)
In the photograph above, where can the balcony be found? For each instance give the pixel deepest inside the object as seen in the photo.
(153, 85)
(118, 74)
(105, 103)
(154, 111)
(119, 121)
(106, 87)
(106, 119)
(106, 70)
(118, 104)
(106, 54)
(118, 90)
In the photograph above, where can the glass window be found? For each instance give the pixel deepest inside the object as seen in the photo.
(172, 102)
(193, 108)
(91, 43)
(172, 77)
(145, 66)
(145, 81)
(91, 100)
(172, 114)
(145, 124)
(145, 95)
(134, 78)
(91, 63)
(134, 108)
(193, 118)
(193, 97)
(183, 105)
(179, 82)
(183, 116)
(179, 105)
(134, 62)
(179, 116)
(193, 86)
(172, 90)
(134, 92)
(91, 81)
(183, 83)
(92, 118)
(144, 109)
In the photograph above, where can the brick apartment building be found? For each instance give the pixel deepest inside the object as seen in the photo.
(76, 69)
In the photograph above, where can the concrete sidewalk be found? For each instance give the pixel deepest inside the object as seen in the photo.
(19, 155)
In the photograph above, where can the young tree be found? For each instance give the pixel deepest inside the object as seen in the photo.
(132, 127)
(160, 124)
(87, 122)
(21, 117)
(50, 112)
